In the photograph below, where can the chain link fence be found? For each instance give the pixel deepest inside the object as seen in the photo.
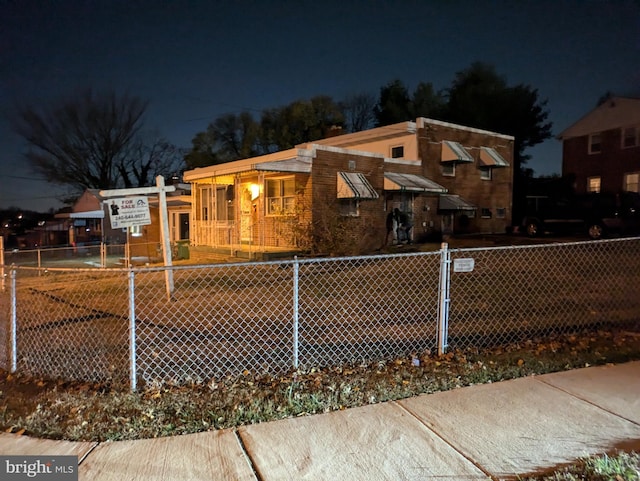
(189, 324)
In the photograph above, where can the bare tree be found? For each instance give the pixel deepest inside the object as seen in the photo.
(83, 141)
(148, 157)
(358, 111)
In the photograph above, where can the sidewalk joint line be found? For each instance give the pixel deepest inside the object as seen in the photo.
(247, 456)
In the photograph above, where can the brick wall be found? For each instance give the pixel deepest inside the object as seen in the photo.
(491, 194)
(337, 234)
(610, 165)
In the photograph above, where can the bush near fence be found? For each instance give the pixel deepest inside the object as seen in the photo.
(119, 325)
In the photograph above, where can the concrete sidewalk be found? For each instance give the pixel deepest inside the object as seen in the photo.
(490, 431)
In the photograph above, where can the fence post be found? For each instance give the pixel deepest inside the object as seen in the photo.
(13, 329)
(296, 266)
(443, 298)
(103, 254)
(132, 331)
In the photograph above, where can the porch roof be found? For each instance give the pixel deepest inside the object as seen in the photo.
(411, 183)
(454, 203)
(296, 164)
(353, 185)
(454, 152)
(491, 158)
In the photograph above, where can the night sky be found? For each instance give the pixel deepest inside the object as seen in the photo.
(197, 60)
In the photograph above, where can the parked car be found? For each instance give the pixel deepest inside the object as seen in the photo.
(595, 214)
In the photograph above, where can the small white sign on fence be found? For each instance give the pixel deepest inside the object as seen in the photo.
(464, 265)
(129, 211)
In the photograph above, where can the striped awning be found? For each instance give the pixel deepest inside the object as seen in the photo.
(411, 183)
(454, 203)
(352, 185)
(454, 152)
(491, 158)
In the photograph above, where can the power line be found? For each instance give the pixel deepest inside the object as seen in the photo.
(38, 179)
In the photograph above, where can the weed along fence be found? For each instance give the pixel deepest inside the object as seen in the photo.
(119, 324)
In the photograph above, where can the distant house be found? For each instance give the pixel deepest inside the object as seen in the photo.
(602, 149)
(87, 222)
(446, 177)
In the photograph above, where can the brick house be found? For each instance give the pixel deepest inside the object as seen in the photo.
(446, 177)
(87, 223)
(601, 151)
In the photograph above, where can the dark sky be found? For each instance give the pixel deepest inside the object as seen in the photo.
(199, 59)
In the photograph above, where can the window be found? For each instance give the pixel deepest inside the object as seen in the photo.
(485, 213)
(501, 213)
(136, 230)
(595, 144)
(224, 203)
(204, 201)
(448, 169)
(349, 207)
(281, 196)
(630, 137)
(631, 182)
(485, 173)
(397, 152)
(593, 184)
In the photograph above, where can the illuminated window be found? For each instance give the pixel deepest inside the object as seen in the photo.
(593, 184)
(631, 182)
(595, 144)
(281, 196)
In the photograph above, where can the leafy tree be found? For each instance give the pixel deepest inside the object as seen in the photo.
(232, 137)
(300, 121)
(202, 151)
(479, 97)
(92, 141)
(426, 102)
(394, 104)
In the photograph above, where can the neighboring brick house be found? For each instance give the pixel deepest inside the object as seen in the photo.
(601, 151)
(447, 177)
(88, 223)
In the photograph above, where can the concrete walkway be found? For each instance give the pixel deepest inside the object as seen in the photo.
(490, 431)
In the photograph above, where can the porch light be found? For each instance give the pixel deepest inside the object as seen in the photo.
(255, 191)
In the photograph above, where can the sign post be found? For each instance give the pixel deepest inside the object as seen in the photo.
(130, 211)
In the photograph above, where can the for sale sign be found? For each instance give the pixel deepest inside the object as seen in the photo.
(129, 211)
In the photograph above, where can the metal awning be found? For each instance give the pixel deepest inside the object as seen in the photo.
(352, 185)
(411, 183)
(491, 158)
(454, 203)
(454, 152)
(289, 165)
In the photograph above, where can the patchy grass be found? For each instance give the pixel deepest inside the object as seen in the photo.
(88, 411)
(617, 467)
